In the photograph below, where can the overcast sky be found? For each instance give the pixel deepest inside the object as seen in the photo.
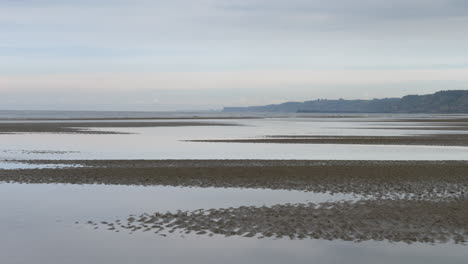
(203, 54)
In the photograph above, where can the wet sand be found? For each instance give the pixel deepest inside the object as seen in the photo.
(86, 127)
(428, 140)
(405, 201)
(134, 118)
(392, 220)
(390, 179)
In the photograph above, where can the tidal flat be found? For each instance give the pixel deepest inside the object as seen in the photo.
(370, 188)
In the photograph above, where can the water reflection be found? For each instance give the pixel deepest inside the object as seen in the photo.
(41, 219)
(167, 142)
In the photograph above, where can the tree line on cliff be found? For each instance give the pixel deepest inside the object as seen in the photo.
(451, 101)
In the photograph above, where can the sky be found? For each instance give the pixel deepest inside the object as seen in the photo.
(155, 55)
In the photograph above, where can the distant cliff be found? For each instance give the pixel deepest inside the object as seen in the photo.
(454, 101)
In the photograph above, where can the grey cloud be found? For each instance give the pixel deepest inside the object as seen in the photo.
(95, 36)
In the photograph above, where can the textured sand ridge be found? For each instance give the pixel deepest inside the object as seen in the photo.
(416, 179)
(392, 220)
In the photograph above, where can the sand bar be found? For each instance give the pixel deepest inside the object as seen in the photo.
(410, 179)
(428, 140)
(86, 127)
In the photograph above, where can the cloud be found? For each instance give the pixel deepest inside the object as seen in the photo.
(378, 9)
(247, 45)
(223, 80)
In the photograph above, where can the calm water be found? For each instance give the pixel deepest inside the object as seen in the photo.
(38, 226)
(37, 222)
(168, 142)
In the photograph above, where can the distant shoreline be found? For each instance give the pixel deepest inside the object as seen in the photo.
(448, 102)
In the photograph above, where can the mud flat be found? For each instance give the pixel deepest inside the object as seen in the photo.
(86, 127)
(392, 220)
(401, 179)
(428, 140)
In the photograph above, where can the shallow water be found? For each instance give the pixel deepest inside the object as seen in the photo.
(169, 142)
(101, 246)
(80, 202)
(38, 226)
